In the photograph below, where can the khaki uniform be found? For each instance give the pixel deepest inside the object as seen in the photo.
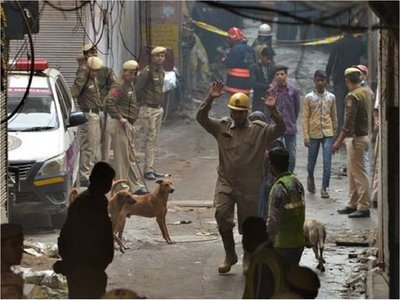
(105, 77)
(121, 103)
(357, 125)
(240, 170)
(149, 87)
(86, 90)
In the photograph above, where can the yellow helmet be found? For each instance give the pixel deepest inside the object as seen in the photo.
(239, 101)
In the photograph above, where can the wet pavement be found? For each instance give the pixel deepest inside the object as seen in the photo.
(188, 269)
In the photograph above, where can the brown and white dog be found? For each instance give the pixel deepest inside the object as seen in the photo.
(150, 205)
(315, 235)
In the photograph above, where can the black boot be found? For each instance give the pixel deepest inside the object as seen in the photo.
(230, 253)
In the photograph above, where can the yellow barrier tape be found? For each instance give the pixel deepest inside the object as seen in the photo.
(328, 40)
(210, 28)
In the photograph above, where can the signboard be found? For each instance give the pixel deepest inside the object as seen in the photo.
(160, 23)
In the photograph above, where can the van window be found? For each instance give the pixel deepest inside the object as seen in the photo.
(39, 113)
(64, 91)
(61, 101)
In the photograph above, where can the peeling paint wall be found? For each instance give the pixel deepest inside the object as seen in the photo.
(389, 80)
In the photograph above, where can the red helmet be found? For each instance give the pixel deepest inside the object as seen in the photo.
(235, 35)
(363, 69)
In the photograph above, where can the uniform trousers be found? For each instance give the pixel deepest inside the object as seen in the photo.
(359, 196)
(226, 196)
(152, 119)
(90, 142)
(123, 138)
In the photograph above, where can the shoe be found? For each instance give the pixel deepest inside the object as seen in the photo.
(150, 175)
(230, 260)
(324, 193)
(347, 210)
(156, 174)
(310, 185)
(360, 213)
(141, 191)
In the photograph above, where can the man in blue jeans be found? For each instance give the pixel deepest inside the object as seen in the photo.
(319, 127)
(288, 103)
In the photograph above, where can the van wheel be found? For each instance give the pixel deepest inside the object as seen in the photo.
(58, 220)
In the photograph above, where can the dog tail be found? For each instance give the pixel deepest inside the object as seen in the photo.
(72, 195)
(114, 184)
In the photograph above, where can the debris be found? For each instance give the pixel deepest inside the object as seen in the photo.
(53, 251)
(205, 233)
(353, 255)
(38, 246)
(32, 251)
(181, 222)
(362, 241)
(350, 282)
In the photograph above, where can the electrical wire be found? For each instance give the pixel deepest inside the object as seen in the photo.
(31, 71)
(300, 20)
(67, 9)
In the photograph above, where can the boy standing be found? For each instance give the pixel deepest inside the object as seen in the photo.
(288, 103)
(319, 127)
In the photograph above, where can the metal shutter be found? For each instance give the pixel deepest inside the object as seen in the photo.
(59, 41)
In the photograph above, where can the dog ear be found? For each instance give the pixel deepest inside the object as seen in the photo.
(159, 181)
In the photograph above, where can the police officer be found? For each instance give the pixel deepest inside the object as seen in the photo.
(149, 87)
(86, 90)
(241, 145)
(355, 130)
(11, 254)
(122, 106)
(105, 78)
(286, 211)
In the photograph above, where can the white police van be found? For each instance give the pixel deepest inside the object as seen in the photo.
(43, 145)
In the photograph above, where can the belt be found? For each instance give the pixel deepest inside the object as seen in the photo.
(130, 120)
(93, 110)
(154, 105)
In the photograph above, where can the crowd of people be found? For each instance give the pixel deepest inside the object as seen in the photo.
(257, 159)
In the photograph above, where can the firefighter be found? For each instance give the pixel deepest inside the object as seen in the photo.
(238, 62)
(241, 145)
(149, 88)
(264, 37)
(122, 106)
(86, 89)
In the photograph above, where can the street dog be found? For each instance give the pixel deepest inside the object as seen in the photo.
(150, 205)
(115, 204)
(315, 235)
